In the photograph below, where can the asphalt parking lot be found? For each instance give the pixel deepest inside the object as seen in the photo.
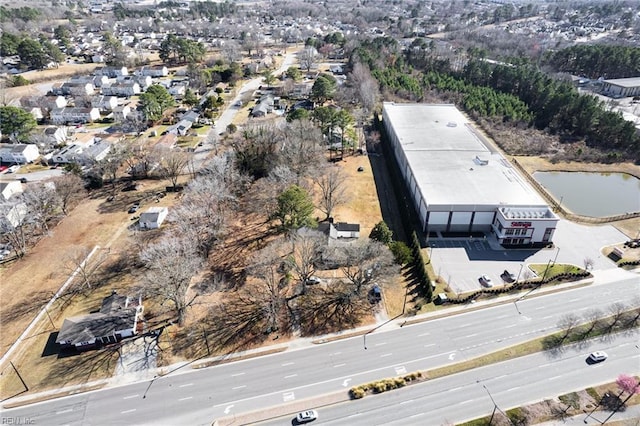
(462, 261)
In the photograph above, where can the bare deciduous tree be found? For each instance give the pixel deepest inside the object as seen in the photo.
(364, 261)
(70, 189)
(43, 204)
(86, 267)
(272, 287)
(568, 323)
(173, 163)
(170, 264)
(304, 248)
(13, 228)
(202, 213)
(140, 160)
(366, 86)
(332, 189)
(307, 58)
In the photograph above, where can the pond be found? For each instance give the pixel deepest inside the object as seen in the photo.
(593, 194)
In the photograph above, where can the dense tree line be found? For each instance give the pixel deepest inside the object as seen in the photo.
(517, 93)
(206, 9)
(33, 53)
(597, 60)
(23, 13)
(558, 107)
(175, 50)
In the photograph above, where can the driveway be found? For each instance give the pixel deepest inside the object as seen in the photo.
(461, 261)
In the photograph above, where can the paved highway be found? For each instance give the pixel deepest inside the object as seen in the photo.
(462, 397)
(197, 397)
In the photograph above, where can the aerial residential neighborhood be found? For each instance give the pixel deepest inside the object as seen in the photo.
(285, 212)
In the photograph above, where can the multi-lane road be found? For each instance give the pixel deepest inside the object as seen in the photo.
(198, 397)
(468, 395)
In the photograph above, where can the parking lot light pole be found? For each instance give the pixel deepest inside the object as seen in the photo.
(518, 277)
(556, 258)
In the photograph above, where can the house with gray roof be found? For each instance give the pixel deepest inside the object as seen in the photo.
(119, 317)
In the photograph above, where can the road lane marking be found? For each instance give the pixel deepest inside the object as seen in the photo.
(502, 316)
(336, 353)
(287, 363)
(408, 401)
(401, 370)
(288, 396)
(354, 415)
(339, 365)
(465, 402)
(512, 389)
(553, 378)
(511, 326)
(540, 307)
(237, 374)
(184, 386)
(290, 376)
(470, 335)
(423, 334)
(238, 387)
(416, 415)
(574, 300)
(128, 411)
(130, 396)
(228, 409)
(380, 344)
(548, 316)
(184, 399)
(384, 355)
(429, 345)
(64, 411)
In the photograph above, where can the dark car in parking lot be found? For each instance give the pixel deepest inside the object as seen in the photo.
(508, 277)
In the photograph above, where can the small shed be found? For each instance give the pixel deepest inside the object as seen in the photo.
(153, 217)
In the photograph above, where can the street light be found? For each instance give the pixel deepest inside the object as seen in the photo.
(495, 406)
(518, 277)
(556, 258)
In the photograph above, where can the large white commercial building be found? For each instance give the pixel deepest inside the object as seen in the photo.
(458, 183)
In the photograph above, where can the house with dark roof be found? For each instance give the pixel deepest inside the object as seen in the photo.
(118, 318)
(153, 217)
(339, 231)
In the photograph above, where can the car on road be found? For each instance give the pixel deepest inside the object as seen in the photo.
(508, 276)
(485, 281)
(134, 208)
(313, 280)
(306, 416)
(597, 356)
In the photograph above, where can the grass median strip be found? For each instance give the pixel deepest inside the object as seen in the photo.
(575, 333)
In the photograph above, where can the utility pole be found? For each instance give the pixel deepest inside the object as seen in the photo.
(20, 377)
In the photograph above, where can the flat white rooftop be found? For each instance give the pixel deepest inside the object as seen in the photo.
(625, 82)
(451, 164)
